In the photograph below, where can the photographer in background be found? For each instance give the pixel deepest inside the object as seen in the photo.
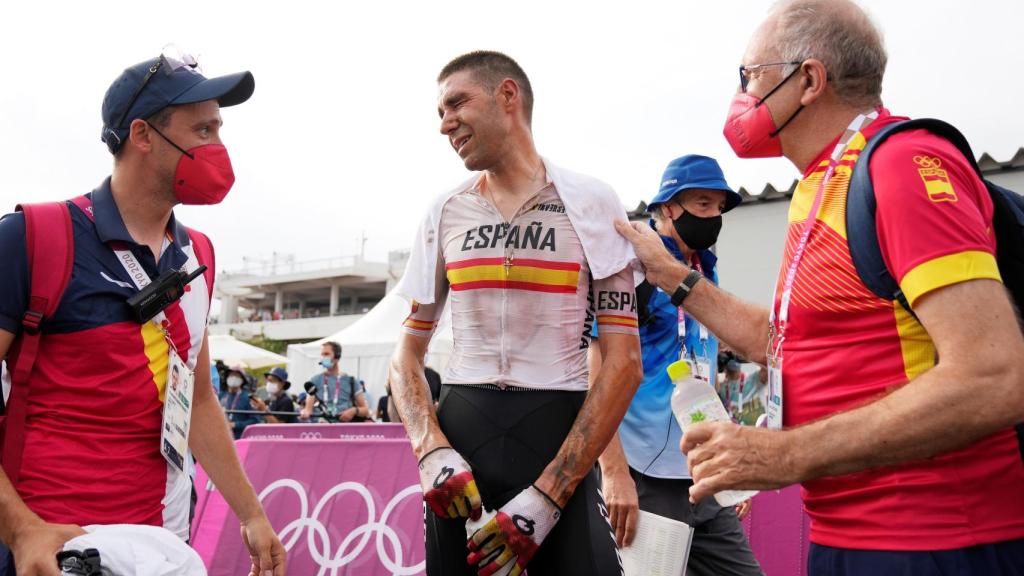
(342, 393)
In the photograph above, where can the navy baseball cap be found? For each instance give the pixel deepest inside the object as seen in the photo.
(693, 171)
(281, 374)
(148, 87)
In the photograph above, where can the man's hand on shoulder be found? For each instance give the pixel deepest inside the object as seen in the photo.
(660, 267)
(35, 547)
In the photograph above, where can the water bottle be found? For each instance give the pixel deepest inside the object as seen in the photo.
(694, 400)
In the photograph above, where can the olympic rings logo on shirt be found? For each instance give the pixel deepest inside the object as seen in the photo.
(318, 535)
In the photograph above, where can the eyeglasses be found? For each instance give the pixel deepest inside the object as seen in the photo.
(747, 73)
(171, 60)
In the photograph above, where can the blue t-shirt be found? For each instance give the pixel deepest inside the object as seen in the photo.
(337, 392)
(649, 432)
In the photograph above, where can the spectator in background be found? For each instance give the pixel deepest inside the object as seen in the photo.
(221, 371)
(731, 387)
(236, 397)
(215, 378)
(342, 393)
(754, 391)
(277, 385)
(382, 408)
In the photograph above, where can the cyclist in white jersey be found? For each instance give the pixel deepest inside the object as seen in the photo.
(526, 257)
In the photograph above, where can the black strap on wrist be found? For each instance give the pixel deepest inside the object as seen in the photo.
(546, 497)
(685, 287)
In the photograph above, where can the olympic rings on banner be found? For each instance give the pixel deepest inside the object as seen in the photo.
(318, 541)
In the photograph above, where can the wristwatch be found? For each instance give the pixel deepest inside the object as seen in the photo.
(684, 288)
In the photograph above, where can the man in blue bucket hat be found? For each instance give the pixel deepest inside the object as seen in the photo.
(642, 467)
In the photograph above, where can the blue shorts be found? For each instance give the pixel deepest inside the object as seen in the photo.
(999, 559)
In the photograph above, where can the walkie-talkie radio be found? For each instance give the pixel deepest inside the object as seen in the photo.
(161, 293)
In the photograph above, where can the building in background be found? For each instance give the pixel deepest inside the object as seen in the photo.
(282, 298)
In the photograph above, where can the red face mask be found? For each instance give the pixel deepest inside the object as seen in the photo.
(750, 128)
(203, 175)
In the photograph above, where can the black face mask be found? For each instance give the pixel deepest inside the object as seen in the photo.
(696, 232)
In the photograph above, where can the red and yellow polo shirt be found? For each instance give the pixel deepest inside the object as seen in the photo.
(845, 347)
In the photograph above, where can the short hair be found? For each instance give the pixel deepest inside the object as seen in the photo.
(162, 119)
(843, 37)
(490, 68)
(335, 348)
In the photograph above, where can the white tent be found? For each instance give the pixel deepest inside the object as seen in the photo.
(233, 351)
(367, 346)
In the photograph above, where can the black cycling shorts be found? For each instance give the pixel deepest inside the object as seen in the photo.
(508, 438)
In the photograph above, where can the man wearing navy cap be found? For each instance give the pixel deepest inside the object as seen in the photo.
(94, 443)
(642, 463)
(280, 401)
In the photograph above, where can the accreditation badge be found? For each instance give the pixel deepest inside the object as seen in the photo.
(702, 370)
(774, 408)
(177, 412)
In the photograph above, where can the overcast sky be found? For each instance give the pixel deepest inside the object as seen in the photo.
(341, 136)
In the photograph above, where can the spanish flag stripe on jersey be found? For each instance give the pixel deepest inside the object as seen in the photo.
(418, 324)
(616, 320)
(524, 274)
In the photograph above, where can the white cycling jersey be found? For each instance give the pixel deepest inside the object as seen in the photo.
(522, 298)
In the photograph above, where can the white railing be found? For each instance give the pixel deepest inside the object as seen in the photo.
(288, 265)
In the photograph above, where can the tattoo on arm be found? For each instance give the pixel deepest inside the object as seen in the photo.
(412, 399)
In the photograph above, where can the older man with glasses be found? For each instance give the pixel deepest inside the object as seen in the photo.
(880, 406)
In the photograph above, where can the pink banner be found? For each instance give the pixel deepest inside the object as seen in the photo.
(778, 530)
(341, 507)
(354, 507)
(347, 431)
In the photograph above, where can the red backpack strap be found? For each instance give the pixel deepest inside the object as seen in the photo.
(49, 243)
(203, 249)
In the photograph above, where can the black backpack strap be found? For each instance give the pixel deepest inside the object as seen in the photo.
(861, 226)
(862, 232)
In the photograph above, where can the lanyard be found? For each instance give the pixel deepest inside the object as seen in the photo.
(778, 328)
(141, 279)
(234, 403)
(702, 330)
(337, 388)
(129, 262)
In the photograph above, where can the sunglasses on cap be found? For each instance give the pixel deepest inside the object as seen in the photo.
(171, 60)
